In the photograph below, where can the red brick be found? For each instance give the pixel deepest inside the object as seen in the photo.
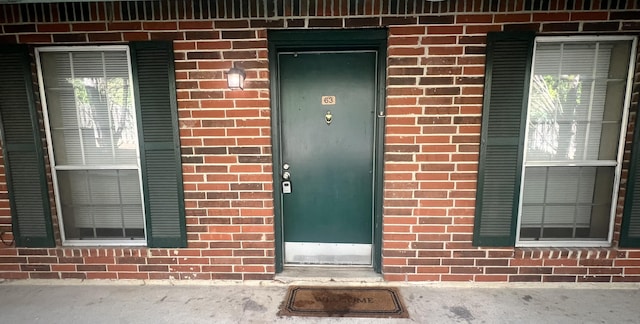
(165, 25)
(502, 18)
(561, 262)
(167, 36)
(448, 50)
(124, 26)
(406, 51)
(457, 277)
(135, 36)
(525, 278)
(482, 29)
(451, 30)
(589, 15)
(559, 278)
(195, 25)
(432, 269)
(406, 30)
(594, 278)
(605, 270)
(407, 40)
(133, 275)
(88, 27)
(20, 28)
(122, 267)
(570, 270)
(464, 19)
(360, 22)
(595, 262)
(491, 278)
(52, 28)
(105, 37)
(549, 16)
(34, 38)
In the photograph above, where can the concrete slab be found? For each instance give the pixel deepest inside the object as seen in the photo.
(258, 302)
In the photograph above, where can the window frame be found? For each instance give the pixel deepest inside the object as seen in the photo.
(621, 145)
(50, 148)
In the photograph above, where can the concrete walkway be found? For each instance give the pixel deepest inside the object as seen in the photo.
(258, 302)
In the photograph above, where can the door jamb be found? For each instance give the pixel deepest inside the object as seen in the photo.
(291, 40)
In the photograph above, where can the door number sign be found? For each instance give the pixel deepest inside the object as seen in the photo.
(328, 100)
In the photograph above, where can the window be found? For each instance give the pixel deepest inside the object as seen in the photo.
(572, 155)
(93, 142)
(553, 132)
(112, 127)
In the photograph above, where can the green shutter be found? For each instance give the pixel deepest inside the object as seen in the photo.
(506, 89)
(157, 113)
(630, 233)
(22, 149)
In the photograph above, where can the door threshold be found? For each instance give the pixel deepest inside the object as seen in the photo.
(324, 274)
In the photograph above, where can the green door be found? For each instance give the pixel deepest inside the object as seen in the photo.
(328, 104)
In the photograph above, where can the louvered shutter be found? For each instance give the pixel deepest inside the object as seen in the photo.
(22, 149)
(507, 74)
(630, 233)
(154, 80)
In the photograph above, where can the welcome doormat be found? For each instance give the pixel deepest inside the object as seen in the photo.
(381, 302)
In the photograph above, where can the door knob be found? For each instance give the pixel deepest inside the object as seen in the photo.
(286, 175)
(328, 118)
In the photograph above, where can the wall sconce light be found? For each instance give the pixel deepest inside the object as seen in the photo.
(235, 78)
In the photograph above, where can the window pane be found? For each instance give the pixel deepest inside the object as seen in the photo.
(566, 203)
(573, 115)
(58, 67)
(101, 204)
(89, 102)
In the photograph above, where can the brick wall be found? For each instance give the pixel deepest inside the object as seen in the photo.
(435, 85)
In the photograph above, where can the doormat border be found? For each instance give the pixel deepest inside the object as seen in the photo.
(288, 309)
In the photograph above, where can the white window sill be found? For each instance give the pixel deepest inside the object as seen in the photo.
(110, 243)
(563, 244)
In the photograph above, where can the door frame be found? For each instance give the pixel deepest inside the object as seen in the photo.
(328, 40)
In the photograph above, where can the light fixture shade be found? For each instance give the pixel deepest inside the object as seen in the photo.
(235, 78)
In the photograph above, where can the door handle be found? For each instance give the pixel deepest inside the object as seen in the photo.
(286, 180)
